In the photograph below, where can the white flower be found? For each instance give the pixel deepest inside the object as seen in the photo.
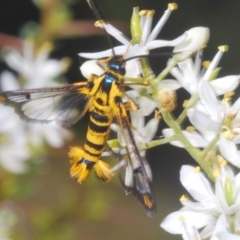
(210, 204)
(190, 232)
(211, 117)
(208, 115)
(142, 135)
(38, 70)
(194, 38)
(147, 39)
(189, 74)
(15, 135)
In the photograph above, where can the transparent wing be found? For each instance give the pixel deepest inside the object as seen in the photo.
(136, 178)
(64, 105)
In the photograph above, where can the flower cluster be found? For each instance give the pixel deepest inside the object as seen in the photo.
(215, 211)
(34, 71)
(213, 138)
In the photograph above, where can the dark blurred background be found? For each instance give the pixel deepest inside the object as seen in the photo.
(58, 207)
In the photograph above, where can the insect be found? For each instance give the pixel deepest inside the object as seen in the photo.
(103, 97)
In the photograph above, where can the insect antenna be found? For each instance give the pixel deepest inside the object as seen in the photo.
(164, 54)
(100, 16)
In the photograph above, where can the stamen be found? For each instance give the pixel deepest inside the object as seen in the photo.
(65, 63)
(118, 166)
(99, 23)
(197, 170)
(223, 48)
(150, 13)
(142, 15)
(147, 26)
(181, 219)
(229, 94)
(185, 103)
(215, 61)
(206, 64)
(229, 135)
(216, 173)
(161, 22)
(143, 12)
(190, 129)
(184, 198)
(173, 6)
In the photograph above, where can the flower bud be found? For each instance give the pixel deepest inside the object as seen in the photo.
(167, 98)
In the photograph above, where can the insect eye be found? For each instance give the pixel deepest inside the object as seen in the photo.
(122, 71)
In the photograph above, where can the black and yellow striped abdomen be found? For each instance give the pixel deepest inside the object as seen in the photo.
(98, 129)
(106, 89)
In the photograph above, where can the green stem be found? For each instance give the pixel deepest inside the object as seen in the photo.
(165, 72)
(191, 102)
(231, 224)
(146, 68)
(156, 143)
(195, 153)
(210, 146)
(135, 80)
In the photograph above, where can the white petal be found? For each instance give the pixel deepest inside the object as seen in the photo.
(91, 67)
(236, 182)
(133, 69)
(159, 25)
(137, 120)
(208, 229)
(213, 65)
(117, 34)
(172, 223)
(190, 77)
(171, 84)
(189, 232)
(235, 107)
(198, 63)
(50, 68)
(150, 129)
(114, 127)
(204, 124)
(226, 84)
(197, 185)
(186, 76)
(208, 99)
(129, 176)
(14, 60)
(165, 43)
(220, 225)
(146, 105)
(146, 29)
(237, 221)
(8, 81)
(120, 50)
(219, 192)
(196, 38)
(195, 139)
(229, 151)
(227, 236)
(14, 159)
(167, 132)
